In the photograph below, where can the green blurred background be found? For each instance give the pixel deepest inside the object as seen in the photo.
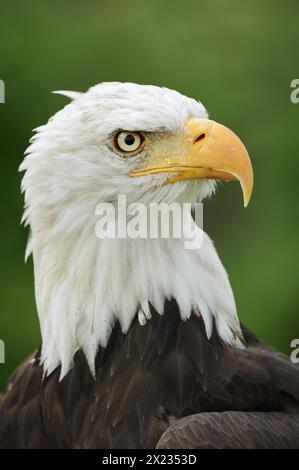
(238, 58)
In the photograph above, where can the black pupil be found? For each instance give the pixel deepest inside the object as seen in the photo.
(129, 139)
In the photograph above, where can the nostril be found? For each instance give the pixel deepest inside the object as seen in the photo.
(200, 137)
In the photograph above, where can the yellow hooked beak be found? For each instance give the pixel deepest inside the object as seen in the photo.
(208, 151)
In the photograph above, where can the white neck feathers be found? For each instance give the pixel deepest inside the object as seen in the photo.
(84, 285)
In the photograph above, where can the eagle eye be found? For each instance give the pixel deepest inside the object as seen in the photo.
(128, 141)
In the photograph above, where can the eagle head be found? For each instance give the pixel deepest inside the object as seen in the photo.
(151, 144)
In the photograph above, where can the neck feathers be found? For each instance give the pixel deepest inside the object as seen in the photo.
(84, 285)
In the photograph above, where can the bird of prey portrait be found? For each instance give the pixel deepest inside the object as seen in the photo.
(141, 346)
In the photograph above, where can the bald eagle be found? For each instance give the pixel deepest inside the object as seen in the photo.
(141, 342)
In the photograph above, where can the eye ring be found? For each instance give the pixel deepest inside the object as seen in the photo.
(128, 142)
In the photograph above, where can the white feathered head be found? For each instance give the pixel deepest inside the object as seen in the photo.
(149, 143)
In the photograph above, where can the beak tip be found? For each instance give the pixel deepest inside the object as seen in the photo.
(246, 198)
(247, 187)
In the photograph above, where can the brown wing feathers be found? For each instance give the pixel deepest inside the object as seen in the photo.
(164, 382)
(233, 430)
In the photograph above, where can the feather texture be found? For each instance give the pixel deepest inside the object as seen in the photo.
(163, 384)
